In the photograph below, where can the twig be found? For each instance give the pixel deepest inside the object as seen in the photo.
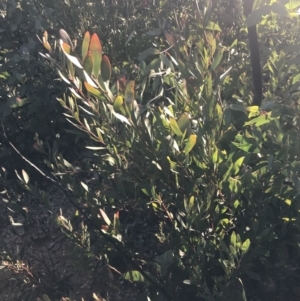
(118, 246)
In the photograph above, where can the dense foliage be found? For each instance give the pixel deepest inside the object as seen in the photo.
(183, 186)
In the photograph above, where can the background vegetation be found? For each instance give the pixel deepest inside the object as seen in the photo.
(133, 164)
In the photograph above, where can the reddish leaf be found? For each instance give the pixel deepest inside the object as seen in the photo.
(66, 48)
(96, 52)
(105, 68)
(121, 81)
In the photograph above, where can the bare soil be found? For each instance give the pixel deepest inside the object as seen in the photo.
(38, 258)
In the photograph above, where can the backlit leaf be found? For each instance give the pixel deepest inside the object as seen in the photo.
(117, 115)
(174, 126)
(237, 165)
(25, 176)
(261, 120)
(135, 276)
(89, 80)
(92, 90)
(66, 50)
(96, 52)
(213, 26)
(85, 45)
(118, 103)
(47, 46)
(65, 37)
(190, 143)
(246, 245)
(105, 217)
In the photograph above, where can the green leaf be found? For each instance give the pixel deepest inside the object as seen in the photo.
(292, 4)
(174, 126)
(46, 298)
(85, 45)
(96, 52)
(247, 144)
(218, 156)
(233, 238)
(246, 245)
(191, 141)
(16, 102)
(150, 51)
(223, 246)
(263, 233)
(92, 90)
(118, 103)
(217, 59)
(88, 64)
(184, 123)
(261, 120)
(237, 165)
(232, 250)
(166, 258)
(213, 26)
(135, 276)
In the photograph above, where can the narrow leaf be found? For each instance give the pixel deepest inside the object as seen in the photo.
(105, 217)
(25, 176)
(65, 48)
(85, 45)
(129, 92)
(47, 46)
(92, 90)
(174, 126)
(89, 80)
(217, 59)
(65, 37)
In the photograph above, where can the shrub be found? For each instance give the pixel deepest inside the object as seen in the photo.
(187, 198)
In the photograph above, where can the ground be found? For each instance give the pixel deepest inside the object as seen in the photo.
(47, 264)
